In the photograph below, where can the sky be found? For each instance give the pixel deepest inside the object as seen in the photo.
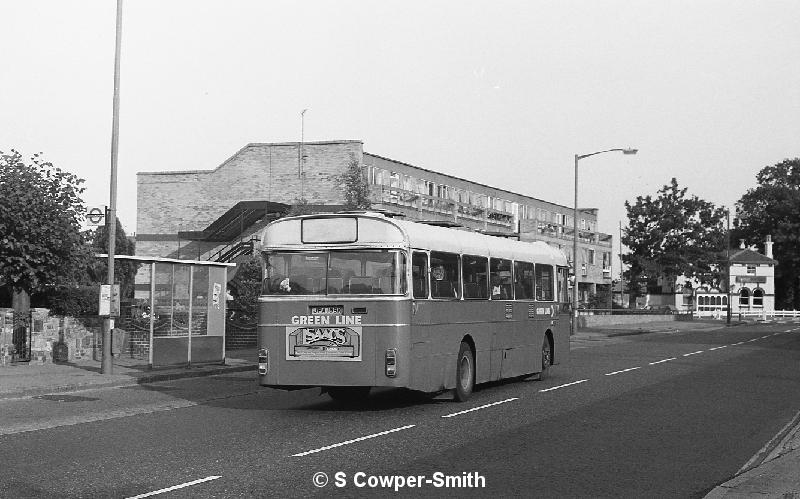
(500, 92)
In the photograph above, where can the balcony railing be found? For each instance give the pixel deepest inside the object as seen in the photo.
(456, 210)
(424, 203)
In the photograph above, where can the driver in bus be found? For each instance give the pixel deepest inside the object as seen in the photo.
(438, 272)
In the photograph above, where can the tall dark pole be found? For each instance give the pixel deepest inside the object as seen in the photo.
(301, 160)
(621, 269)
(107, 366)
(728, 263)
(575, 252)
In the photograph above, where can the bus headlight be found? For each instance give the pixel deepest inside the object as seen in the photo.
(391, 362)
(263, 361)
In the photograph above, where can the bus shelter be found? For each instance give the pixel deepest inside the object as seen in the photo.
(173, 313)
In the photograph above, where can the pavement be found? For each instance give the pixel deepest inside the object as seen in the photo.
(772, 472)
(32, 379)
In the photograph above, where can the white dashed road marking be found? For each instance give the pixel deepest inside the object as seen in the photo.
(175, 487)
(692, 353)
(623, 371)
(662, 360)
(562, 386)
(717, 348)
(359, 439)
(479, 408)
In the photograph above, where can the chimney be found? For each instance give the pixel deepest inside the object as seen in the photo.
(768, 247)
(741, 243)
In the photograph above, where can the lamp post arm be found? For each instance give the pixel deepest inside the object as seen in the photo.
(621, 149)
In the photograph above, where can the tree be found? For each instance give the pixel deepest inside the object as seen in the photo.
(673, 235)
(78, 296)
(246, 288)
(773, 208)
(299, 207)
(356, 187)
(40, 214)
(124, 271)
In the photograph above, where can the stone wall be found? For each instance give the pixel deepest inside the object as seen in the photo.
(585, 321)
(82, 336)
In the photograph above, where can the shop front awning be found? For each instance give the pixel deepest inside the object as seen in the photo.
(234, 221)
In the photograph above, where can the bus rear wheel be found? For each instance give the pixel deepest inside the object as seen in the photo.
(348, 393)
(547, 358)
(465, 373)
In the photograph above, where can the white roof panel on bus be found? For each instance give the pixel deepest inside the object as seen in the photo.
(337, 229)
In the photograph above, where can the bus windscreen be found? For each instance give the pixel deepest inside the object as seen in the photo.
(351, 272)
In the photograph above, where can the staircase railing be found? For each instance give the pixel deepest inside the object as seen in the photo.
(234, 249)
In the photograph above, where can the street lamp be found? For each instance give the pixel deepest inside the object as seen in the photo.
(106, 364)
(575, 231)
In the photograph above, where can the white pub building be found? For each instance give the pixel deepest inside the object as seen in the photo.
(752, 278)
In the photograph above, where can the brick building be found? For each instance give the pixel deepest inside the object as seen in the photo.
(208, 214)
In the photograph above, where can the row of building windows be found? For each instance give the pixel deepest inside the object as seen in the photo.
(747, 298)
(387, 178)
(753, 298)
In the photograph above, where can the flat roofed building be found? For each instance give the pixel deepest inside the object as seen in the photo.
(215, 214)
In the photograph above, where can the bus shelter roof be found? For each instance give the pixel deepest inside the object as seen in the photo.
(156, 259)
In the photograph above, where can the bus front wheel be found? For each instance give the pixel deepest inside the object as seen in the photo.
(465, 373)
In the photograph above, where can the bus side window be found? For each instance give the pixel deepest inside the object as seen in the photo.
(419, 274)
(544, 282)
(523, 280)
(473, 270)
(500, 272)
(562, 284)
(444, 275)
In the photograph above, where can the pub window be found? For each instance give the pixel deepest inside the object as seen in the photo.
(523, 280)
(500, 277)
(444, 275)
(758, 297)
(751, 269)
(544, 282)
(744, 297)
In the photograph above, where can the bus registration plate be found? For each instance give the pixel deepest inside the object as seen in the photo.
(327, 310)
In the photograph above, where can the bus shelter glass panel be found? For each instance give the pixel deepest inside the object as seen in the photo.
(208, 310)
(135, 315)
(162, 300)
(199, 301)
(180, 300)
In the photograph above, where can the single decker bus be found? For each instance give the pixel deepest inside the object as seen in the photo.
(352, 301)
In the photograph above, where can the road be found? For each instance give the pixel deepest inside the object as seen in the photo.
(656, 415)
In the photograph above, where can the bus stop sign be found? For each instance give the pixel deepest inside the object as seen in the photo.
(95, 216)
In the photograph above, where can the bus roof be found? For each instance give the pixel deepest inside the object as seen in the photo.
(374, 228)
